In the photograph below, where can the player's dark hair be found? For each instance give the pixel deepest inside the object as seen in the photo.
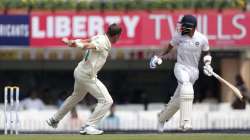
(114, 29)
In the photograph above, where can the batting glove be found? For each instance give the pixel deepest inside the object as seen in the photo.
(208, 70)
(154, 61)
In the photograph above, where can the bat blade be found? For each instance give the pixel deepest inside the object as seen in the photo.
(235, 90)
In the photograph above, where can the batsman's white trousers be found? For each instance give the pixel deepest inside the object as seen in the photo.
(183, 74)
(85, 84)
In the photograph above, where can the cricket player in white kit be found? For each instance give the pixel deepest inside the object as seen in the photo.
(96, 52)
(190, 45)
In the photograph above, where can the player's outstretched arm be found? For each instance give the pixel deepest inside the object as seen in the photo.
(166, 50)
(157, 59)
(79, 43)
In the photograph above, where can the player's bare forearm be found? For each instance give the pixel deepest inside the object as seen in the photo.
(80, 43)
(67, 41)
(166, 50)
(85, 40)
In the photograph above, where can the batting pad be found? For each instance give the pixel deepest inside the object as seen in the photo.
(186, 101)
(171, 108)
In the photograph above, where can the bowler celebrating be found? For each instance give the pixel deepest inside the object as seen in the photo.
(190, 45)
(96, 52)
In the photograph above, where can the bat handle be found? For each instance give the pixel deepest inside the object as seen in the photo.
(215, 75)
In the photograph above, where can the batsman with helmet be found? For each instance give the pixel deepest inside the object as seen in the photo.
(190, 45)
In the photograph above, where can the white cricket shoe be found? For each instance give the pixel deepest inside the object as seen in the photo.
(186, 126)
(160, 124)
(90, 130)
(52, 123)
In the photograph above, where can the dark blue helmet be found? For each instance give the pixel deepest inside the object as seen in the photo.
(187, 23)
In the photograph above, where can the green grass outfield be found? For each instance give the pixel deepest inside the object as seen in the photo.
(130, 137)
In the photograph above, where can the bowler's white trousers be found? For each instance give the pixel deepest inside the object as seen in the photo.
(85, 84)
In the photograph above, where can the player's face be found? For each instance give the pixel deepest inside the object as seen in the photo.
(180, 28)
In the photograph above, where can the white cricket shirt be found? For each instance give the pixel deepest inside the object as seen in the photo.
(189, 48)
(94, 59)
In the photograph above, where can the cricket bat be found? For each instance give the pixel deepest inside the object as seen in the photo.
(235, 90)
